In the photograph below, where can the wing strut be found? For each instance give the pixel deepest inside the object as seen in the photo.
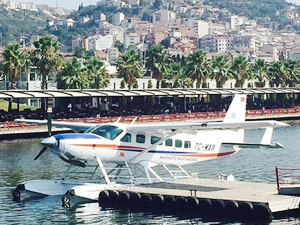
(107, 180)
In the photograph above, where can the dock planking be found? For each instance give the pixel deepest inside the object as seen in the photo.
(225, 190)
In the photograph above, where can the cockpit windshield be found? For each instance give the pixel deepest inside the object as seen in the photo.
(107, 131)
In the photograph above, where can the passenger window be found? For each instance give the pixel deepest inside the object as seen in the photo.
(187, 144)
(154, 139)
(169, 142)
(126, 138)
(178, 143)
(140, 138)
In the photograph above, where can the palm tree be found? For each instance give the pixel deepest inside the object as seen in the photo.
(96, 72)
(72, 75)
(14, 60)
(198, 67)
(276, 74)
(220, 70)
(260, 72)
(157, 61)
(292, 70)
(129, 67)
(46, 57)
(240, 70)
(178, 76)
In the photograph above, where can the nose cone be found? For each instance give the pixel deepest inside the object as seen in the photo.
(49, 142)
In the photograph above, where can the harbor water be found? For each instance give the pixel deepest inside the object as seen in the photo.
(17, 165)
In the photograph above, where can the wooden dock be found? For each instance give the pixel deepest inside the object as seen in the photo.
(225, 190)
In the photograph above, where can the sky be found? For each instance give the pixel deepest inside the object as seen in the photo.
(297, 2)
(67, 4)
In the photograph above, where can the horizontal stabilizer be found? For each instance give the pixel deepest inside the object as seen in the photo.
(254, 145)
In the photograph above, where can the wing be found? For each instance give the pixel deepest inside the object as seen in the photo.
(75, 126)
(167, 127)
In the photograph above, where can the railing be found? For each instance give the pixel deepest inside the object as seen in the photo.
(287, 177)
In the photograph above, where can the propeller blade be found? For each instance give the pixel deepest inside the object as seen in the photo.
(40, 153)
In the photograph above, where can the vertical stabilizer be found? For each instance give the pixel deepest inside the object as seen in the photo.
(237, 109)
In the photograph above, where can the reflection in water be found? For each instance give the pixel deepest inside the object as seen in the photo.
(17, 165)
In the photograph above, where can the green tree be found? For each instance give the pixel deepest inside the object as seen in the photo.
(292, 70)
(260, 72)
(220, 70)
(129, 67)
(96, 72)
(72, 75)
(157, 61)
(240, 70)
(46, 57)
(276, 74)
(177, 75)
(198, 67)
(14, 59)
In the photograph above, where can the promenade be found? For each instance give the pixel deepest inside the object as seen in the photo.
(15, 129)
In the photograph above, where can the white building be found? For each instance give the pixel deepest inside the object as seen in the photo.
(163, 17)
(294, 53)
(104, 42)
(236, 22)
(131, 39)
(201, 27)
(118, 18)
(216, 43)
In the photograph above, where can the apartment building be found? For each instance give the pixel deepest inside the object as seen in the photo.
(163, 17)
(131, 39)
(201, 27)
(216, 43)
(99, 42)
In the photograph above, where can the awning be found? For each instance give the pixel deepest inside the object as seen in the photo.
(39, 94)
(5, 96)
(58, 94)
(77, 94)
(18, 94)
(95, 93)
(126, 93)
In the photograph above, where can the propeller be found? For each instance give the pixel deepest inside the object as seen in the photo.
(49, 125)
(41, 152)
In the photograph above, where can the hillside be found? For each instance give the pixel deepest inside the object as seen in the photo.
(259, 10)
(14, 24)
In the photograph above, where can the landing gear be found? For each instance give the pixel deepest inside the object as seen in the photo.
(17, 192)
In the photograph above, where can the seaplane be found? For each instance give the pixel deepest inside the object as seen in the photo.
(146, 145)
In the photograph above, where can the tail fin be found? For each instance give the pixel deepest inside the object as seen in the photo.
(237, 109)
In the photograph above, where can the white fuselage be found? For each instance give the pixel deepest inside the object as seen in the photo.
(180, 149)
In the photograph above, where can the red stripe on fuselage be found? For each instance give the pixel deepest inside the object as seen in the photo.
(107, 146)
(209, 155)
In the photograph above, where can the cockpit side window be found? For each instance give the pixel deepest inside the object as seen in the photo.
(107, 131)
(126, 138)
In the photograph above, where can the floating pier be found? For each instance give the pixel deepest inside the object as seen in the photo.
(236, 200)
